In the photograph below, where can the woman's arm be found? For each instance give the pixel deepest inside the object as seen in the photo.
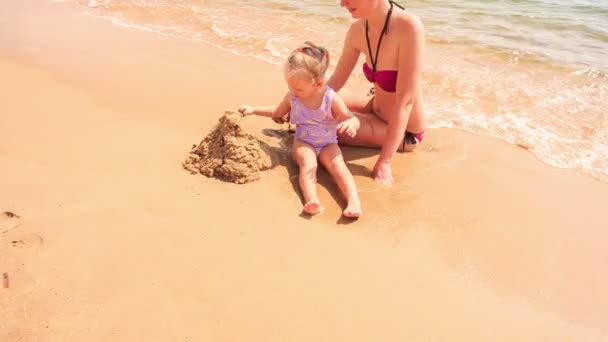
(346, 63)
(274, 112)
(411, 50)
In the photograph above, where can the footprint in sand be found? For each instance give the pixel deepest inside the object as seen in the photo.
(8, 221)
(16, 238)
(24, 240)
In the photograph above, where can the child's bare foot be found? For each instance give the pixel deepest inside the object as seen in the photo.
(313, 207)
(353, 209)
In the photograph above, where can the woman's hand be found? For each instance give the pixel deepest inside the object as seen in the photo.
(383, 173)
(349, 127)
(246, 110)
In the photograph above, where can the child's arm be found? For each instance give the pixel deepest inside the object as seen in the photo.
(268, 111)
(349, 124)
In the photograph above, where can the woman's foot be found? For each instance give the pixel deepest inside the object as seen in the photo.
(313, 207)
(353, 209)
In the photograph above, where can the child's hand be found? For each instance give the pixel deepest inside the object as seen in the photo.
(349, 127)
(283, 119)
(246, 110)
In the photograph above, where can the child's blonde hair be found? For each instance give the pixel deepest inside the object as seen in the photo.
(310, 59)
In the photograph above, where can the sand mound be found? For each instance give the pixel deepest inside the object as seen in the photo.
(229, 153)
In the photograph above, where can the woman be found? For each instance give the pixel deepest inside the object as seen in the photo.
(392, 40)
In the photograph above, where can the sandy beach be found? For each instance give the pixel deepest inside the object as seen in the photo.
(112, 240)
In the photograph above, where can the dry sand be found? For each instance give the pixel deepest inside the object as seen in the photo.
(477, 241)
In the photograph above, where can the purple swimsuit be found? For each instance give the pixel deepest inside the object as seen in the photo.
(316, 127)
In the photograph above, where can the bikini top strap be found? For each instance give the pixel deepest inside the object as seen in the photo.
(396, 4)
(384, 29)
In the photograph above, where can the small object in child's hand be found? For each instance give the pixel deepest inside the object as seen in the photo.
(5, 281)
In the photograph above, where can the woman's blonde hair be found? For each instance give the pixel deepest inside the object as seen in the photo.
(310, 59)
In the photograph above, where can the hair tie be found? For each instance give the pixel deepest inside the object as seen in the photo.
(325, 53)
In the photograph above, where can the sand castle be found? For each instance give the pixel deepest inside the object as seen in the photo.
(229, 153)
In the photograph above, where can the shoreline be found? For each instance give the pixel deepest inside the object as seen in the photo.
(545, 139)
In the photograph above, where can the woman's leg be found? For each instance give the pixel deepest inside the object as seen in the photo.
(331, 157)
(373, 130)
(371, 133)
(305, 156)
(359, 104)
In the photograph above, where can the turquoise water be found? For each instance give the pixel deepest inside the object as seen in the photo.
(563, 31)
(527, 72)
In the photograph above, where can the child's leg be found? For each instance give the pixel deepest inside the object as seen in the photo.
(306, 158)
(331, 158)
